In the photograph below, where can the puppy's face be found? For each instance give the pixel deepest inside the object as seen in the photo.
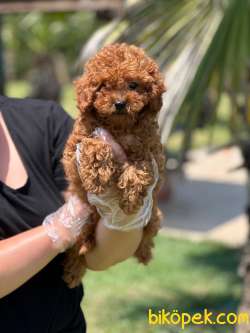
(122, 97)
(121, 83)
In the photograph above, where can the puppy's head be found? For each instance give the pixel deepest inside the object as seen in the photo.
(119, 85)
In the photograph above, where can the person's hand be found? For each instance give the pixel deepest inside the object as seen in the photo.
(64, 226)
(107, 204)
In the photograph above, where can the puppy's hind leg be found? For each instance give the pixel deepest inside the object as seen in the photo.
(74, 267)
(144, 250)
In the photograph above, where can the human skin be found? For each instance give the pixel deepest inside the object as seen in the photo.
(24, 255)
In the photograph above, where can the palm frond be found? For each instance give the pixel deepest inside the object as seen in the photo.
(201, 45)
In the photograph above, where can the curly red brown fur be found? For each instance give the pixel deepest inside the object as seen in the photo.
(121, 91)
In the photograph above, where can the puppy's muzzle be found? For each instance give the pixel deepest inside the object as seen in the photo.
(120, 107)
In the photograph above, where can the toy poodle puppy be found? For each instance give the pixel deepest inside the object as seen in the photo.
(120, 91)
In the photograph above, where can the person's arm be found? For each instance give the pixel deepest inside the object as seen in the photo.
(112, 246)
(24, 255)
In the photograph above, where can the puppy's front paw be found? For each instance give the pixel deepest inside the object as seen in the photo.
(133, 184)
(96, 165)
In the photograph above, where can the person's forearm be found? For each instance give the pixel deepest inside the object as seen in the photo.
(112, 247)
(22, 256)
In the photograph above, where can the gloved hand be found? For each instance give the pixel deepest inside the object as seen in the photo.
(64, 225)
(107, 204)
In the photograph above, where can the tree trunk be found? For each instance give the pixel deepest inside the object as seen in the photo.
(245, 264)
(1, 61)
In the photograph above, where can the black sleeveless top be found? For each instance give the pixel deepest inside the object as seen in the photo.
(39, 130)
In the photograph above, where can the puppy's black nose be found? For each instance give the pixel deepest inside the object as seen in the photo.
(120, 105)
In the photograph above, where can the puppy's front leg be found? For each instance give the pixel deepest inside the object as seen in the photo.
(133, 184)
(96, 165)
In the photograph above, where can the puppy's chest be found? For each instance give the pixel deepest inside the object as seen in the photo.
(134, 146)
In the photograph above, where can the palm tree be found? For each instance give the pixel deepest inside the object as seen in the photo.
(203, 46)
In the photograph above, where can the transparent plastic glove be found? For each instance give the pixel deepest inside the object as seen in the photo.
(113, 217)
(64, 226)
(107, 204)
(108, 138)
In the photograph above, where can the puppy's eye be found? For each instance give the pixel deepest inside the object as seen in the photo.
(132, 85)
(100, 86)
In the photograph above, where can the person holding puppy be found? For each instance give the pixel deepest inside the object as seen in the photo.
(37, 226)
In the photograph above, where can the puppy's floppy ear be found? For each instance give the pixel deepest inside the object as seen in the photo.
(158, 88)
(85, 88)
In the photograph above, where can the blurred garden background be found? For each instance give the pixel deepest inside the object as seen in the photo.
(202, 255)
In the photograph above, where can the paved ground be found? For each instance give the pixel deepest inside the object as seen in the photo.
(208, 200)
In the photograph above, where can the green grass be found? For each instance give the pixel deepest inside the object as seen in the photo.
(21, 89)
(185, 276)
(69, 100)
(17, 89)
(211, 135)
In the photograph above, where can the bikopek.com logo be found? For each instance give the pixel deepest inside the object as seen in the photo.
(182, 319)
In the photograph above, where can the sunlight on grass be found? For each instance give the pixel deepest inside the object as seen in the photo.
(184, 275)
(21, 89)
(216, 135)
(17, 89)
(69, 100)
